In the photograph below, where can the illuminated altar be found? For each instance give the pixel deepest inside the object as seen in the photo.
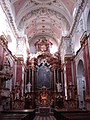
(43, 97)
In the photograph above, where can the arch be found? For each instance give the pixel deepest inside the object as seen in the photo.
(81, 84)
(80, 68)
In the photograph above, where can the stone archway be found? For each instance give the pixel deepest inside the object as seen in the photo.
(81, 84)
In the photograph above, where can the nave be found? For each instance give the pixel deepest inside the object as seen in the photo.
(44, 59)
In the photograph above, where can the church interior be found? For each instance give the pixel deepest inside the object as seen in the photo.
(45, 59)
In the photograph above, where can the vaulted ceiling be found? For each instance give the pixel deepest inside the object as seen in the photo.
(50, 18)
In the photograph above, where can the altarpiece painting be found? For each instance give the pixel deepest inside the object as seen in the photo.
(44, 75)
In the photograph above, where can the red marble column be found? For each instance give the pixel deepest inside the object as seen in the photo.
(13, 77)
(86, 65)
(54, 77)
(19, 74)
(33, 73)
(68, 63)
(1, 56)
(25, 80)
(68, 70)
(74, 71)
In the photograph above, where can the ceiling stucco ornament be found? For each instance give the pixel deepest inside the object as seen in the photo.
(33, 6)
(56, 3)
(43, 13)
(43, 1)
(81, 6)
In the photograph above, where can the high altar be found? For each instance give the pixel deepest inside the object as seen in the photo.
(43, 72)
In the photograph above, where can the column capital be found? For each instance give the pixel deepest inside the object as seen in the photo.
(68, 58)
(20, 60)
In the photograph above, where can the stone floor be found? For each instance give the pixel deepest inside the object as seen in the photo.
(49, 117)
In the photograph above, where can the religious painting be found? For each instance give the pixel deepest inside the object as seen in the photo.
(44, 76)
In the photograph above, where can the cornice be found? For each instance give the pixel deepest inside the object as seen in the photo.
(9, 16)
(81, 8)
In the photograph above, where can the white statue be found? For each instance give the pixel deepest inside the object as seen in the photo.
(28, 86)
(59, 88)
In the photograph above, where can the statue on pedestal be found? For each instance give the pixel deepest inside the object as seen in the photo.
(59, 87)
(28, 87)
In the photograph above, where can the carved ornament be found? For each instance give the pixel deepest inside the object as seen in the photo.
(84, 38)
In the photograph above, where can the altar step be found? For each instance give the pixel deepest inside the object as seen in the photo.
(44, 117)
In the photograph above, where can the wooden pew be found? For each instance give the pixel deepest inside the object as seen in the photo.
(13, 116)
(71, 115)
(75, 116)
(27, 114)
